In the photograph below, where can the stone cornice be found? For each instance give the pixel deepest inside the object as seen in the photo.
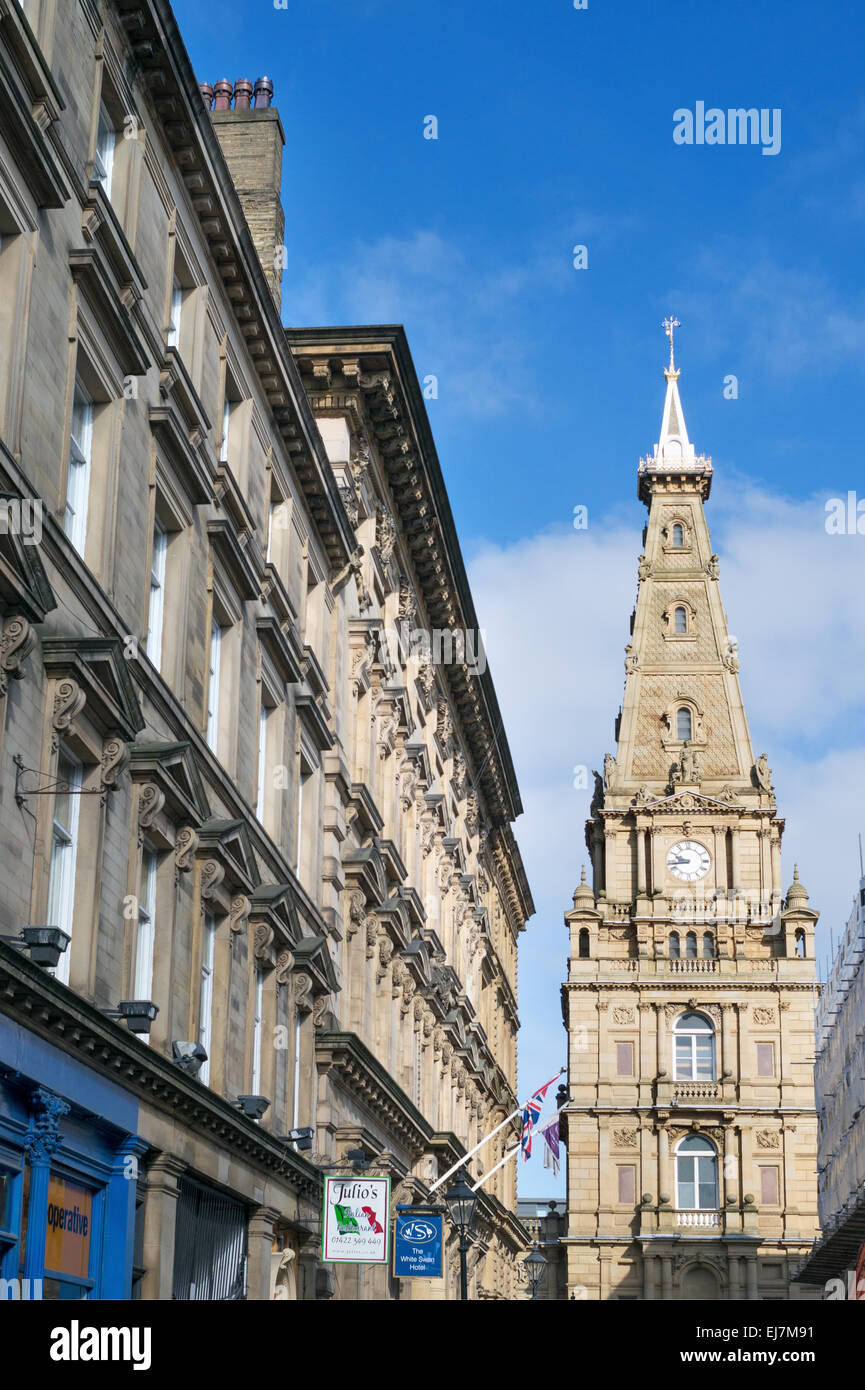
(35, 999)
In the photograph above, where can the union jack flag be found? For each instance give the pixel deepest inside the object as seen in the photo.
(532, 1114)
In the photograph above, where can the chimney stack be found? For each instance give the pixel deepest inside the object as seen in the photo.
(252, 138)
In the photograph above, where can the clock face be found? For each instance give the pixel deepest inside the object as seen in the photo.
(688, 860)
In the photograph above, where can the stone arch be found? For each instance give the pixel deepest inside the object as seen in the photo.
(700, 1283)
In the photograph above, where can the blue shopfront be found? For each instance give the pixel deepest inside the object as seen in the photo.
(69, 1156)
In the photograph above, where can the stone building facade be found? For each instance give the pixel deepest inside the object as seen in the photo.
(837, 1261)
(232, 773)
(691, 1128)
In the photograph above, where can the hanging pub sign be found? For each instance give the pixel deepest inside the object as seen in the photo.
(417, 1246)
(356, 1222)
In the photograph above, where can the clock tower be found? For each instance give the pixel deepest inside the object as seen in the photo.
(690, 1121)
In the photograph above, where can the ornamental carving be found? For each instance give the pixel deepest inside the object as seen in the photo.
(284, 964)
(622, 1015)
(371, 936)
(385, 534)
(262, 942)
(212, 874)
(768, 1139)
(361, 458)
(302, 992)
(385, 952)
(69, 701)
(764, 1016)
(407, 600)
(319, 1009)
(763, 773)
(625, 1138)
(356, 906)
(17, 641)
(43, 1135)
(151, 800)
(238, 913)
(184, 849)
(444, 725)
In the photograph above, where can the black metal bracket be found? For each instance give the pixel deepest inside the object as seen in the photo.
(58, 785)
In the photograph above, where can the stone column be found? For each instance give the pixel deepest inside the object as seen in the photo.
(765, 864)
(160, 1219)
(262, 1225)
(657, 871)
(648, 1277)
(776, 864)
(663, 1041)
(734, 842)
(751, 1278)
(720, 834)
(664, 1187)
(734, 1269)
(641, 860)
(666, 1279)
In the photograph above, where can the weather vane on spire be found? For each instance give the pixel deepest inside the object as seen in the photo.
(668, 325)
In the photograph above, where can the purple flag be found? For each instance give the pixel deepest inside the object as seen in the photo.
(551, 1146)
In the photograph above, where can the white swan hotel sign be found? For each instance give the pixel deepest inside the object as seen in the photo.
(356, 1221)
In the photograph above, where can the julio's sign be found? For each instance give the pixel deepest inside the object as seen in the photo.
(356, 1222)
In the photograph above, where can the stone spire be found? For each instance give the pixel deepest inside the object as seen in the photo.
(682, 724)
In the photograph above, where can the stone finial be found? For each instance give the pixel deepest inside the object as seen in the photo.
(797, 892)
(583, 895)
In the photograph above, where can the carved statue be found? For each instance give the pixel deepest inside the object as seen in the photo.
(730, 658)
(687, 770)
(632, 661)
(713, 567)
(598, 794)
(763, 773)
(609, 770)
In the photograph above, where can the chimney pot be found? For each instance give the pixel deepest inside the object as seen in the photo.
(222, 92)
(263, 92)
(242, 94)
(206, 89)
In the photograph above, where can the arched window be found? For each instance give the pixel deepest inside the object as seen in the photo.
(691, 945)
(675, 947)
(696, 1175)
(584, 943)
(680, 620)
(800, 943)
(708, 946)
(684, 724)
(693, 1048)
(678, 536)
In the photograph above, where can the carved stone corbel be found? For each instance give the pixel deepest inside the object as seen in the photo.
(302, 992)
(212, 874)
(115, 759)
(239, 912)
(185, 846)
(69, 701)
(17, 641)
(284, 967)
(150, 802)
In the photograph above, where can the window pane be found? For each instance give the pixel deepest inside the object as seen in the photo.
(769, 1185)
(627, 1183)
(705, 1056)
(765, 1059)
(687, 1193)
(683, 722)
(681, 620)
(691, 946)
(684, 1068)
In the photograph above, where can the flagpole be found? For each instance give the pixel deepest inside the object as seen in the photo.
(511, 1152)
(520, 1108)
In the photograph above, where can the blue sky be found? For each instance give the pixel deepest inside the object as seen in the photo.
(555, 129)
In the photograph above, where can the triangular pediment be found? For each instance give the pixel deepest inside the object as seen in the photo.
(174, 768)
(228, 841)
(688, 802)
(99, 668)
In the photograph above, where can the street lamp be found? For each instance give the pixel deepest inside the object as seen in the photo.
(536, 1268)
(461, 1203)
